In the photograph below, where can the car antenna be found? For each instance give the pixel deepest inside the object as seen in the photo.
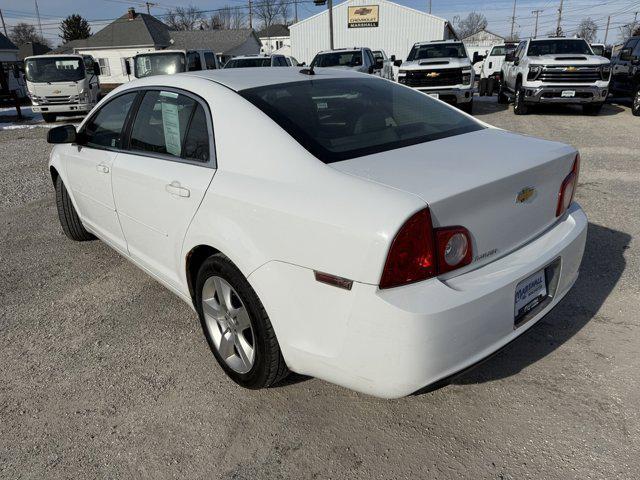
(308, 71)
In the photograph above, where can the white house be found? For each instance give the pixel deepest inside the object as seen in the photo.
(275, 38)
(481, 42)
(378, 24)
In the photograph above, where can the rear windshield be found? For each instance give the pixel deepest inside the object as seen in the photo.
(248, 62)
(338, 119)
(557, 47)
(159, 64)
(338, 59)
(440, 50)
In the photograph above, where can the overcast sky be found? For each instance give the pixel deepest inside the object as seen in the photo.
(498, 12)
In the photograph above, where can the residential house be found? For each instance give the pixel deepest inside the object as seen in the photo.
(275, 39)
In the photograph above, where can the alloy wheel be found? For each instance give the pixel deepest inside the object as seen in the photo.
(636, 102)
(227, 320)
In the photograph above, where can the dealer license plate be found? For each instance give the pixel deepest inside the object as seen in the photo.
(529, 293)
(568, 93)
(434, 95)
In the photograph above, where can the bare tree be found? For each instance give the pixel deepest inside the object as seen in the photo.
(513, 38)
(227, 18)
(22, 33)
(626, 31)
(184, 18)
(587, 29)
(472, 23)
(268, 11)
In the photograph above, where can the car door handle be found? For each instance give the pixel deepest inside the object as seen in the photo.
(174, 188)
(102, 168)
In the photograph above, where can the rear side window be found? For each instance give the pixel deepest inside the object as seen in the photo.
(196, 144)
(105, 128)
(210, 60)
(161, 123)
(338, 119)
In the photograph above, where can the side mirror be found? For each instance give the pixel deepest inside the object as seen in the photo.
(625, 54)
(302, 64)
(516, 61)
(127, 67)
(96, 69)
(62, 134)
(476, 57)
(397, 63)
(392, 58)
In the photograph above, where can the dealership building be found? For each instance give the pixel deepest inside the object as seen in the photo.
(380, 24)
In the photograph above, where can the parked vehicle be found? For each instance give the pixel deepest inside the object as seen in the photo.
(248, 61)
(555, 70)
(292, 62)
(359, 59)
(441, 69)
(166, 62)
(374, 240)
(12, 81)
(384, 65)
(61, 85)
(625, 80)
(491, 68)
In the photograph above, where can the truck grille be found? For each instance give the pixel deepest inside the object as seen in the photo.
(61, 99)
(569, 74)
(433, 78)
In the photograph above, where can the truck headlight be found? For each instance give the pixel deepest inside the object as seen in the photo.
(605, 72)
(83, 97)
(402, 76)
(534, 71)
(466, 76)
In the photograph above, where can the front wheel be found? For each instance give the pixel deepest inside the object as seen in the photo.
(236, 325)
(482, 87)
(69, 220)
(466, 107)
(503, 98)
(490, 86)
(519, 107)
(635, 108)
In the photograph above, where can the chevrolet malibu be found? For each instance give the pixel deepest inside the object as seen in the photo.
(326, 222)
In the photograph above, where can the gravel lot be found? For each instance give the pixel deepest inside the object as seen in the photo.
(105, 374)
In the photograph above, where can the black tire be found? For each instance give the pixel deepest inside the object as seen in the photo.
(635, 106)
(519, 107)
(491, 84)
(49, 117)
(503, 98)
(466, 107)
(269, 366)
(592, 108)
(69, 220)
(482, 87)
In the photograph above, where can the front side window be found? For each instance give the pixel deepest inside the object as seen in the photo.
(558, 47)
(210, 60)
(159, 64)
(338, 59)
(598, 50)
(439, 50)
(338, 119)
(161, 123)
(105, 128)
(54, 69)
(193, 61)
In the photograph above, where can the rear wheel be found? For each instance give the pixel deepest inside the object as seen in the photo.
(482, 87)
(592, 108)
(519, 107)
(49, 117)
(490, 86)
(503, 98)
(635, 108)
(236, 325)
(466, 107)
(69, 220)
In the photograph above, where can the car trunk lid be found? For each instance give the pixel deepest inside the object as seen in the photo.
(503, 187)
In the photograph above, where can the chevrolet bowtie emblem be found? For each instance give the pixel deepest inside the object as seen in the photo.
(525, 194)
(570, 69)
(56, 92)
(433, 74)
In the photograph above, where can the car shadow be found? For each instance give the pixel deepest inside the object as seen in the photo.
(602, 267)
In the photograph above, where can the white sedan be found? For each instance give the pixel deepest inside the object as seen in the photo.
(329, 223)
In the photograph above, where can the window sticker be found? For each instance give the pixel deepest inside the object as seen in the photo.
(171, 127)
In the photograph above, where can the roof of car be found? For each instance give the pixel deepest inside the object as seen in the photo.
(242, 78)
(256, 55)
(435, 42)
(354, 49)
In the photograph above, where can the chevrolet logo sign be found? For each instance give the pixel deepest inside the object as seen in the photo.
(56, 92)
(526, 194)
(571, 69)
(433, 75)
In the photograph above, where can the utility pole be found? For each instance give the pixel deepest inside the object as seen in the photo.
(536, 13)
(513, 19)
(429, 6)
(295, 9)
(606, 32)
(149, 5)
(3, 25)
(330, 7)
(559, 19)
(250, 15)
(39, 22)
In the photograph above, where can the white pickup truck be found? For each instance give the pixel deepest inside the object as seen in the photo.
(441, 69)
(555, 70)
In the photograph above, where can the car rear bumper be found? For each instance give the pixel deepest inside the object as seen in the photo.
(553, 94)
(391, 343)
(62, 108)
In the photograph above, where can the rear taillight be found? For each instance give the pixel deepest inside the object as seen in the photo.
(419, 251)
(411, 256)
(568, 188)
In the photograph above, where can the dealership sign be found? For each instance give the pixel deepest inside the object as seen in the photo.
(363, 16)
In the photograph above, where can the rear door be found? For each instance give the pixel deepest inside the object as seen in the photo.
(160, 181)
